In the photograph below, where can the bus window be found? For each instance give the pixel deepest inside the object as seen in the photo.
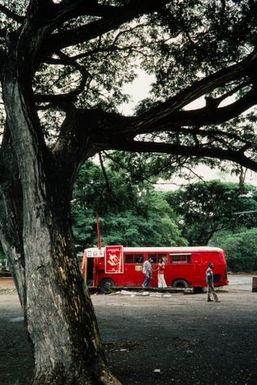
(163, 257)
(139, 258)
(157, 257)
(180, 258)
(153, 257)
(134, 258)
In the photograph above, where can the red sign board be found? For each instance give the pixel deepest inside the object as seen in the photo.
(114, 262)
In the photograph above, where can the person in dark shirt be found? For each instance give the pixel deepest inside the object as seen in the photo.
(210, 284)
(147, 271)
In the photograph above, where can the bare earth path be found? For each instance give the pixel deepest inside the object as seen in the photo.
(155, 339)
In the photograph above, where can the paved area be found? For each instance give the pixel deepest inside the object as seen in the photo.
(157, 339)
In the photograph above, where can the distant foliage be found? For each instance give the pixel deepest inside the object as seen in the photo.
(207, 207)
(130, 213)
(240, 249)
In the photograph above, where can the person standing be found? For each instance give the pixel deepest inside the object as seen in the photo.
(161, 269)
(210, 284)
(147, 270)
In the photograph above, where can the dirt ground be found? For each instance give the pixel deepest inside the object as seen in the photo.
(157, 339)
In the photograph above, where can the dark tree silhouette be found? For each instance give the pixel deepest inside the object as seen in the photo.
(62, 67)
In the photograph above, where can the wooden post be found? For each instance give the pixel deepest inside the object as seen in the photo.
(254, 285)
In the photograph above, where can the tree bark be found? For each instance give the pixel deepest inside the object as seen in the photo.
(59, 315)
(11, 214)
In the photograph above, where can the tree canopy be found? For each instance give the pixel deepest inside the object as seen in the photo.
(240, 248)
(208, 207)
(195, 49)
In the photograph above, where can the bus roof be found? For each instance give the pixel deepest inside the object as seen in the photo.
(185, 249)
(168, 249)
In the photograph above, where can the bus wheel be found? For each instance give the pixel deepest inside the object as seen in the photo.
(198, 290)
(180, 283)
(106, 286)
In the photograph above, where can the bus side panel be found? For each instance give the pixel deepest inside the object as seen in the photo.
(220, 269)
(118, 279)
(133, 269)
(193, 272)
(201, 261)
(132, 276)
(178, 270)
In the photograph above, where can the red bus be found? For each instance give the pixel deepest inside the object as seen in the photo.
(117, 266)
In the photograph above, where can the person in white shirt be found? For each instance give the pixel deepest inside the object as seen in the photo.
(161, 269)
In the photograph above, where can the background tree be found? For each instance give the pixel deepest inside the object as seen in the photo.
(207, 207)
(62, 67)
(131, 212)
(240, 249)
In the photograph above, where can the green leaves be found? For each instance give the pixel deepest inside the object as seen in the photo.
(205, 208)
(131, 213)
(240, 249)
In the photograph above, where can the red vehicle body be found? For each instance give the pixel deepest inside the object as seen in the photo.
(117, 266)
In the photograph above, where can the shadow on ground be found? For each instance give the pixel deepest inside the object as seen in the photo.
(156, 339)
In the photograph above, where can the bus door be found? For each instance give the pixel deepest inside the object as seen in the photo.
(90, 272)
(200, 266)
(93, 258)
(133, 272)
(180, 270)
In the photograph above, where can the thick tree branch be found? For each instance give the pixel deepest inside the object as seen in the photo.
(175, 149)
(239, 87)
(72, 95)
(206, 115)
(10, 14)
(112, 18)
(2, 61)
(108, 186)
(56, 13)
(102, 129)
(3, 32)
(216, 134)
(198, 89)
(175, 120)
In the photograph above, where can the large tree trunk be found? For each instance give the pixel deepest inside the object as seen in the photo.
(59, 316)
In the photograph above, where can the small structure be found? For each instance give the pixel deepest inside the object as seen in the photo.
(254, 285)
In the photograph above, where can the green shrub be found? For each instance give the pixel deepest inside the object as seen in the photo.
(240, 249)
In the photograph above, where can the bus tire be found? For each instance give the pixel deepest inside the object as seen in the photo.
(106, 286)
(180, 283)
(198, 290)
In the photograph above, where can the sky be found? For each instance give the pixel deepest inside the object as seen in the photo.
(205, 173)
(138, 90)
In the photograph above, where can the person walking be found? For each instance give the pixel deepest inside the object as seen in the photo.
(210, 284)
(161, 269)
(147, 270)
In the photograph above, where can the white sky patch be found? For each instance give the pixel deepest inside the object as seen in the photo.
(205, 173)
(138, 90)
(198, 103)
